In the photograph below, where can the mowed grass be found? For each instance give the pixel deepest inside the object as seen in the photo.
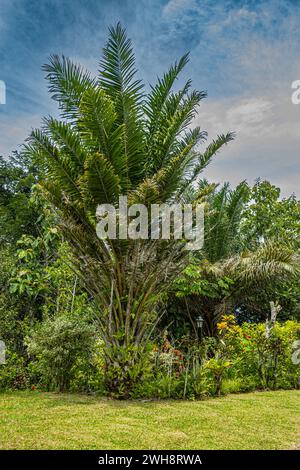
(262, 420)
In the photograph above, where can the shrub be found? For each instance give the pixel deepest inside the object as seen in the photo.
(58, 346)
(64, 354)
(218, 367)
(266, 360)
(13, 373)
(88, 372)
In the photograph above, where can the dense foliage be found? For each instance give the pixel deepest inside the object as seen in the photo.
(250, 257)
(119, 316)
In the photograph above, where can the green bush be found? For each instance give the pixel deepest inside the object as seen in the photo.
(265, 361)
(13, 373)
(88, 372)
(239, 384)
(60, 349)
(175, 373)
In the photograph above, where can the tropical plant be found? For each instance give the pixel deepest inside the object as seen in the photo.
(224, 209)
(218, 367)
(112, 140)
(228, 274)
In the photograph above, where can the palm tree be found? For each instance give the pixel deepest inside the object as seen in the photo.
(224, 208)
(227, 274)
(113, 139)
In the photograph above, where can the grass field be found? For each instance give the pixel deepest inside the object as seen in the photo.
(262, 420)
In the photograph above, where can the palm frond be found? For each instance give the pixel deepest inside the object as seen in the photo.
(60, 167)
(117, 70)
(67, 83)
(117, 79)
(68, 143)
(205, 158)
(102, 183)
(263, 266)
(157, 98)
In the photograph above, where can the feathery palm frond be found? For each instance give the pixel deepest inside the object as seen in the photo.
(205, 158)
(103, 184)
(67, 83)
(117, 79)
(59, 167)
(268, 262)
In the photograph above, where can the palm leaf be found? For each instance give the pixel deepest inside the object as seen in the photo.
(117, 79)
(60, 167)
(67, 83)
(102, 183)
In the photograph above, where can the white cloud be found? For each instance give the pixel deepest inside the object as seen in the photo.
(248, 113)
(175, 5)
(14, 132)
(267, 143)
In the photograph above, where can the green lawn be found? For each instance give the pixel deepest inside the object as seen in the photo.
(262, 420)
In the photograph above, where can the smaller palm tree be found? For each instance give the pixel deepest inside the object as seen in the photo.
(226, 273)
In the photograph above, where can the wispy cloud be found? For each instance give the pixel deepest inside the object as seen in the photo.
(266, 144)
(174, 6)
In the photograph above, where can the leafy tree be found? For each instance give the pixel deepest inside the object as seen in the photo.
(35, 279)
(269, 217)
(17, 215)
(112, 140)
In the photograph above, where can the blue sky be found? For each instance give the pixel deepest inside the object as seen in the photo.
(245, 54)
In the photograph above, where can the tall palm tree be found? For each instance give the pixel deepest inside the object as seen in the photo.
(113, 139)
